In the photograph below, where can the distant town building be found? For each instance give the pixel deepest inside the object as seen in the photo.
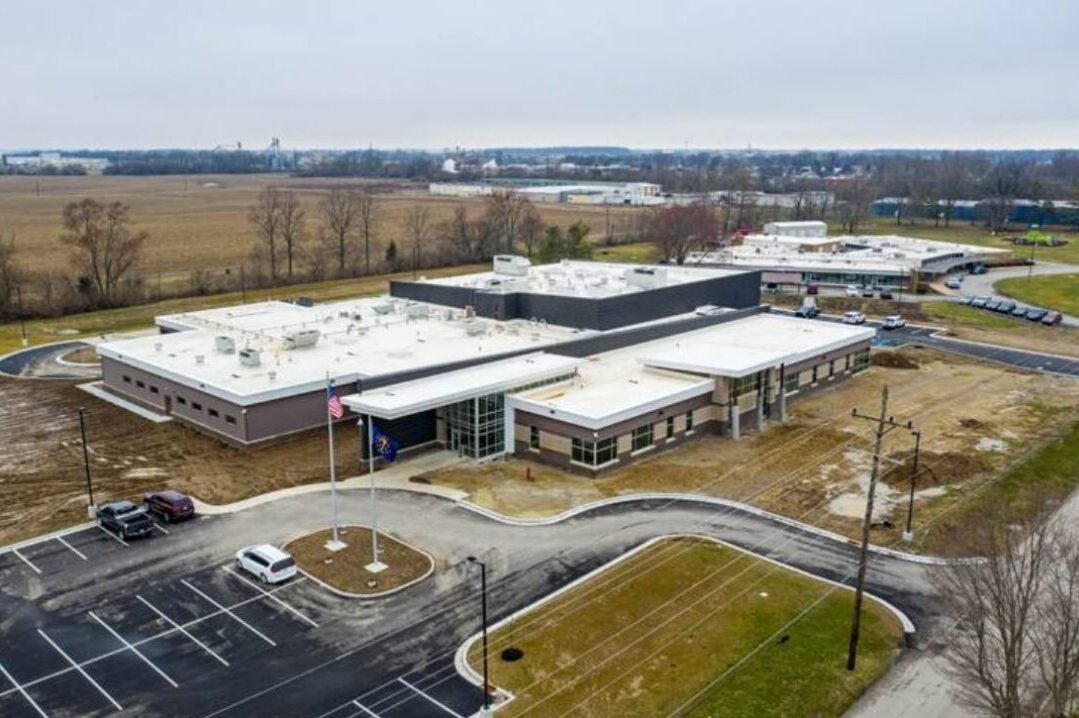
(42, 161)
(634, 193)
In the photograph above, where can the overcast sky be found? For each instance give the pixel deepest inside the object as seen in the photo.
(726, 73)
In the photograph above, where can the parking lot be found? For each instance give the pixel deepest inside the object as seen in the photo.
(95, 626)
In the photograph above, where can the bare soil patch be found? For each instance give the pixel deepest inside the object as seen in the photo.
(83, 355)
(344, 569)
(894, 360)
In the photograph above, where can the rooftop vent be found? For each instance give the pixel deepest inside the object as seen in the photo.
(249, 357)
(646, 277)
(511, 264)
(417, 311)
(383, 308)
(302, 338)
(475, 327)
(224, 345)
(200, 359)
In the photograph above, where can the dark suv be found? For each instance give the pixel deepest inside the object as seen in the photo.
(170, 505)
(125, 519)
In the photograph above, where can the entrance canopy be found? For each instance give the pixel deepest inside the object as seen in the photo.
(410, 397)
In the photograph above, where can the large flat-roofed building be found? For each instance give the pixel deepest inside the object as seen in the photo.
(434, 373)
(588, 295)
(887, 260)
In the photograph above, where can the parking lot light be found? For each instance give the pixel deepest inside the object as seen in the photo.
(86, 462)
(483, 605)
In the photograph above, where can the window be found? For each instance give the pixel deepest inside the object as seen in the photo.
(213, 412)
(790, 382)
(814, 374)
(831, 367)
(689, 421)
(140, 385)
(745, 384)
(534, 438)
(181, 401)
(642, 438)
(230, 419)
(196, 406)
(861, 360)
(153, 389)
(594, 453)
(127, 379)
(670, 427)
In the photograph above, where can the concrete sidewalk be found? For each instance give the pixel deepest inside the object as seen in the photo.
(394, 476)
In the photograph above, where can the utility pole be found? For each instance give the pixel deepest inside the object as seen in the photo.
(909, 534)
(22, 315)
(86, 460)
(885, 424)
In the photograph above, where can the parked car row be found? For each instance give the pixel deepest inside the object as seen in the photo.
(868, 291)
(129, 520)
(1012, 308)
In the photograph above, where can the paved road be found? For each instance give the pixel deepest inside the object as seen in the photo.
(41, 362)
(393, 655)
(985, 284)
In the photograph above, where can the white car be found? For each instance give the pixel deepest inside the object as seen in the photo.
(893, 321)
(267, 563)
(852, 290)
(854, 318)
(953, 283)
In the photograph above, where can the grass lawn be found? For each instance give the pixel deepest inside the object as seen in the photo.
(683, 616)
(643, 252)
(1056, 291)
(142, 316)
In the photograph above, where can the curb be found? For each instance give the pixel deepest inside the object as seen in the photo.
(465, 670)
(369, 596)
(708, 500)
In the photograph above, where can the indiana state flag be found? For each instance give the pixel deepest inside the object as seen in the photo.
(384, 446)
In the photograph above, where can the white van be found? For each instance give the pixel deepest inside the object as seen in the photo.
(267, 563)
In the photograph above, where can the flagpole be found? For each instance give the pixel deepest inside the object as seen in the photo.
(376, 564)
(335, 542)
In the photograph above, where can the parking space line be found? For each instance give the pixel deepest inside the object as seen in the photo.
(221, 608)
(134, 650)
(161, 528)
(111, 535)
(22, 690)
(182, 630)
(270, 596)
(365, 709)
(79, 668)
(437, 702)
(78, 553)
(26, 561)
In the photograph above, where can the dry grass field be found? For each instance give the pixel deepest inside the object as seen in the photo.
(200, 221)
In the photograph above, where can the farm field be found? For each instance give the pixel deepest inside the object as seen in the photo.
(977, 421)
(200, 221)
(685, 615)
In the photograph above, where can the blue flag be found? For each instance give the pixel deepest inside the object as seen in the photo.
(383, 445)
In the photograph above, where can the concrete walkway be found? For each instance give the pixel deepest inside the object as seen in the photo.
(394, 476)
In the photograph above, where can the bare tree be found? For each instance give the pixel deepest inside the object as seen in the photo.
(1056, 632)
(532, 227)
(265, 217)
(10, 276)
(340, 211)
(992, 657)
(418, 229)
(505, 211)
(680, 229)
(854, 200)
(291, 222)
(105, 247)
(1002, 185)
(368, 213)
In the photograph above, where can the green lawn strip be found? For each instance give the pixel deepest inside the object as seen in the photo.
(1055, 291)
(643, 252)
(962, 314)
(572, 655)
(142, 316)
(1048, 474)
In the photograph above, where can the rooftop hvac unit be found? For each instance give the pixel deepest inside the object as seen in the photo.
(249, 357)
(475, 327)
(646, 277)
(383, 308)
(417, 311)
(200, 359)
(302, 338)
(224, 345)
(511, 264)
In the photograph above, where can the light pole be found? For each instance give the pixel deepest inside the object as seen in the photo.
(86, 461)
(483, 603)
(22, 316)
(909, 534)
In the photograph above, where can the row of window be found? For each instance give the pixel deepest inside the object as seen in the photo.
(605, 451)
(855, 363)
(182, 401)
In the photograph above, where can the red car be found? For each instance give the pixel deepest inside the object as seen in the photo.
(170, 505)
(1052, 318)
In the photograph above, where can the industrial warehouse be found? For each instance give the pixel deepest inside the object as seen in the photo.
(802, 252)
(580, 364)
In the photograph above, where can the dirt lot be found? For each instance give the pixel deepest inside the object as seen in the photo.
(975, 420)
(200, 221)
(344, 569)
(43, 486)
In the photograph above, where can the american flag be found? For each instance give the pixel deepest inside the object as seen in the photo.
(337, 409)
